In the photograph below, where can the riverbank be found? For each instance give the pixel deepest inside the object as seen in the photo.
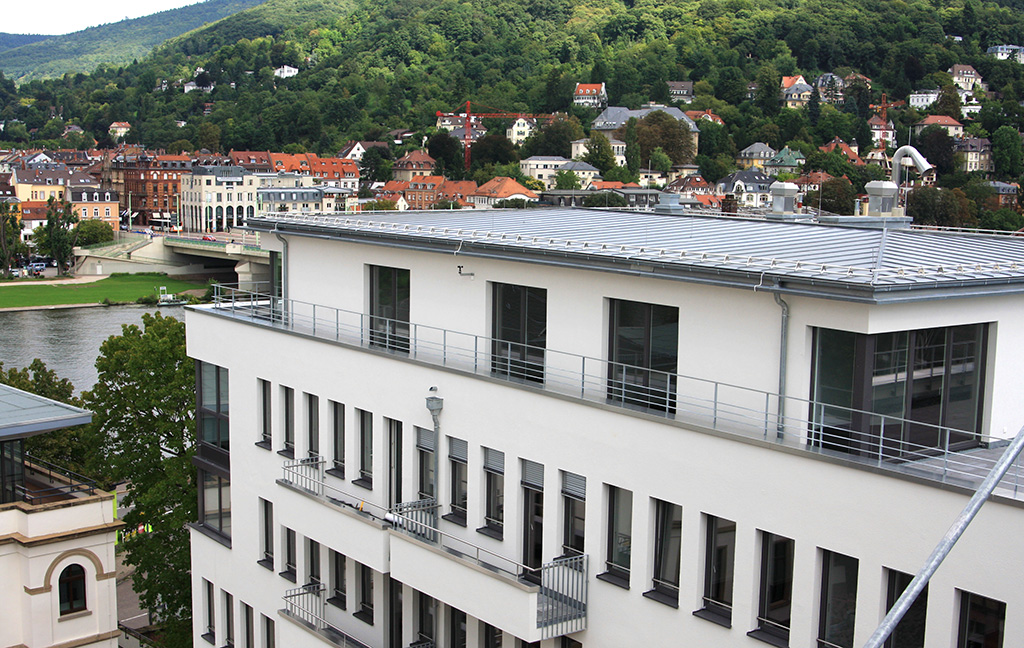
(79, 292)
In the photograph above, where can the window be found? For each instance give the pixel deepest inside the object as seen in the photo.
(248, 629)
(456, 628)
(212, 397)
(266, 419)
(211, 614)
(643, 354)
(838, 600)
(574, 499)
(775, 600)
(425, 449)
(425, 609)
(981, 622)
(720, 556)
(493, 637)
(289, 554)
(71, 589)
(338, 439)
(365, 449)
(520, 331)
(620, 519)
(312, 562)
(337, 580)
(229, 619)
(269, 633)
(668, 536)
(458, 491)
(910, 631)
(288, 402)
(365, 583)
(933, 378)
(267, 540)
(389, 308)
(494, 493)
(215, 503)
(313, 425)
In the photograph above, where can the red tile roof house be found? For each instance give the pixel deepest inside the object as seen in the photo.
(952, 126)
(592, 95)
(500, 188)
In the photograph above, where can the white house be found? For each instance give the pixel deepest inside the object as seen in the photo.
(562, 428)
(286, 72)
(542, 167)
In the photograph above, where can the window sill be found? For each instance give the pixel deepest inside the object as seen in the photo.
(614, 579)
(287, 575)
(73, 615)
(212, 534)
(363, 482)
(290, 454)
(209, 638)
(364, 616)
(266, 563)
(263, 444)
(455, 518)
(769, 638)
(663, 597)
(337, 602)
(714, 617)
(491, 532)
(336, 472)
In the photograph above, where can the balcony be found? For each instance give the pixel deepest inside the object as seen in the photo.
(44, 483)
(305, 606)
(797, 423)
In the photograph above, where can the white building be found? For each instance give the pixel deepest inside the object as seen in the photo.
(286, 72)
(431, 412)
(580, 148)
(520, 129)
(215, 198)
(58, 585)
(542, 167)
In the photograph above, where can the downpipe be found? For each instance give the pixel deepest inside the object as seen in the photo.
(783, 363)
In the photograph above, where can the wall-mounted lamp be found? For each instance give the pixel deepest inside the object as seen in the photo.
(466, 274)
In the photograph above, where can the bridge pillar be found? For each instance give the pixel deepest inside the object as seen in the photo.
(253, 276)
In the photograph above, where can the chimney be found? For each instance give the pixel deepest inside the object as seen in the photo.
(881, 197)
(730, 205)
(783, 201)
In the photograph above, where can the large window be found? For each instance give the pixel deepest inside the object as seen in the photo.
(981, 622)
(288, 402)
(720, 555)
(668, 536)
(838, 600)
(389, 308)
(574, 501)
(212, 391)
(642, 359)
(425, 450)
(365, 449)
(931, 377)
(289, 554)
(365, 583)
(494, 493)
(313, 425)
(338, 587)
(910, 631)
(266, 418)
(456, 628)
(267, 539)
(71, 588)
(458, 453)
(338, 439)
(425, 610)
(211, 613)
(520, 331)
(312, 562)
(620, 534)
(215, 502)
(775, 601)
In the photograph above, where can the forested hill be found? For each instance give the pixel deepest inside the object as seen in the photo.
(114, 44)
(373, 65)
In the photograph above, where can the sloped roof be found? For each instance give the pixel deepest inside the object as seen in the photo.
(938, 120)
(503, 187)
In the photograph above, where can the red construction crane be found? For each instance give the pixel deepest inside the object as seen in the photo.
(468, 125)
(885, 106)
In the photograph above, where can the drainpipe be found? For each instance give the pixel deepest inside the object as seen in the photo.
(946, 544)
(284, 262)
(434, 405)
(783, 348)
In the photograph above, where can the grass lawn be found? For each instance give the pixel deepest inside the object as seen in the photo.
(120, 288)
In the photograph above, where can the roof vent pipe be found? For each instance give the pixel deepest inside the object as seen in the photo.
(783, 201)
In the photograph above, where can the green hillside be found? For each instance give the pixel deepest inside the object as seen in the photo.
(10, 41)
(113, 44)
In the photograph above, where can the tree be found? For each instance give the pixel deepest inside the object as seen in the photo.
(767, 95)
(447, 151)
(937, 147)
(493, 149)
(376, 164)
(555, 138)
(1006, 152)
(380, 205)
(208, 136)
(59, 239)
(599, 153)
(948, 103)
(567, 180)
(446, 204)
(10, 236)
(837, 196)
(179, 146)
(943, 207)
(659, 129)
(660, 161)
(92, 231)
(143, 408)
(632, 141)
(604, 199)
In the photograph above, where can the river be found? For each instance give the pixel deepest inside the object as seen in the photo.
(67, 339)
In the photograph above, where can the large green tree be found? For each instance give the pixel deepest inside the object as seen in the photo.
(659, 129)
(10, 235)
(60, 236)
(944, 207)
(144, 422)
(92, 231)
(1006, 152)
(599, 153)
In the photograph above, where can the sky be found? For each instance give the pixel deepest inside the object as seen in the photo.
(66, 16)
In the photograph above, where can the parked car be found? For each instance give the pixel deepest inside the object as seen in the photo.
(207, 237)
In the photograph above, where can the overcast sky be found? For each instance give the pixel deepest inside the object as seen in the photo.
(66, 16)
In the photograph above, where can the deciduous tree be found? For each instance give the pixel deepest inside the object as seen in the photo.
(599, 153)
(10, 235)
(59, 239)
(567, 180)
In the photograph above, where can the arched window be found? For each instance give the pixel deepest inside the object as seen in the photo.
(71, 586)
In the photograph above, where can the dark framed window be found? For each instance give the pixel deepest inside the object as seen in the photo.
(910, 631)
(668, 538)
(71, 589)
(719, 560)
(338, 588)
(313, 425)
(266, 414)
(494, 492)
(289, 554)
(493, 637)
(312, 562)
(338, 439)
(288, 405)
(211, 612)
(426, 608)
(520, 331)
(213, 409)
(267, 537)
(933, 378)
(981, 622)
(643, 354)
(269, 633)
(365, 449)
(459, 491)
(389, 308)
(248, 627)
(838, 600)
(775, 597)
(456, 628)
(574, 494)
(365, 582)
(215, 502)
(229, 619)
(425, 443)
(620, 533)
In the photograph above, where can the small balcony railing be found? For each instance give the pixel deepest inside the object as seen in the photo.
(47, 482)
(880, 440)
(306, 605)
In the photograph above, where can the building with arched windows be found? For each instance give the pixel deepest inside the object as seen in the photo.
(217, 198)
(57, 535)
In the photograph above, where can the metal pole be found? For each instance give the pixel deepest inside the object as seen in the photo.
(945, 545)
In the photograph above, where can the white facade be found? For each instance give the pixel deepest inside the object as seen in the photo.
(542, 167)
(218, 198)
(520, 129)
(705, 452)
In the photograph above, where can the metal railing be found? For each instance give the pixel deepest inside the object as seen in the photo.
(306, 605)
(60, 481)
(562, 605)
(881, 440)
(308, 474)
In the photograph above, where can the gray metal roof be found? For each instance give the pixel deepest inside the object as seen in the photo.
(824, 260)
(23, 414)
